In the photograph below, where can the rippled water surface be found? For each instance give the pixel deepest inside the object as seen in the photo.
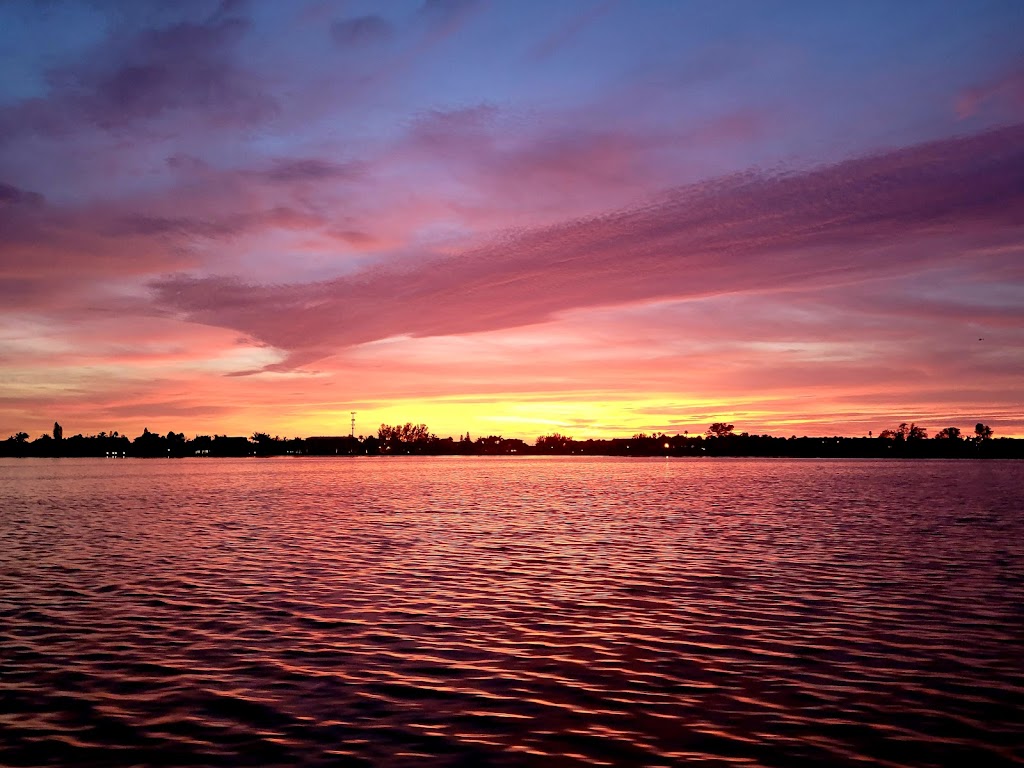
(485, 612)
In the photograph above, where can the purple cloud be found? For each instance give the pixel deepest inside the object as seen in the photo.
(311, 169)
(185, 67)
(11, 197)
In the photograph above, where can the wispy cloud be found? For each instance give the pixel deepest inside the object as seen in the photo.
(1003, 95)
(569, 30)
(361, 30)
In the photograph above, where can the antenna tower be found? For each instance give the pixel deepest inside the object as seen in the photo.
(352, 429)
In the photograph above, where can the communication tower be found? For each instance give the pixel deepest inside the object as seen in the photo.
(352, 428)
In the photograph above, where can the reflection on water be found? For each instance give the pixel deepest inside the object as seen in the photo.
(484, 612)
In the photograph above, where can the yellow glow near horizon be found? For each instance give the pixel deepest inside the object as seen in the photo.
(527, 420)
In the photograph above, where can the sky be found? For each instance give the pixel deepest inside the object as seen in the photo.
(511, 218)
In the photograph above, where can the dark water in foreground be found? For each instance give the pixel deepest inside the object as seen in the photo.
(475, 612)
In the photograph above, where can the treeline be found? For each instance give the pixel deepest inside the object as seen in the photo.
(720, 439)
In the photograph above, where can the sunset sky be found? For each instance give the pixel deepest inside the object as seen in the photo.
(514, 218)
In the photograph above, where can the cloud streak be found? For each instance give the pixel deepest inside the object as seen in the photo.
(361, 30)
(885, 214)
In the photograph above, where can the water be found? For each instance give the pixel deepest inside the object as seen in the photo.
(491, 612)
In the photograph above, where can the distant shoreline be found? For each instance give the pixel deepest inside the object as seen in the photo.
(730, 446)
(354, 457)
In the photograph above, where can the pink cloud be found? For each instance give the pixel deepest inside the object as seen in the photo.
(827, 379)
(862, 219)
(208, 219)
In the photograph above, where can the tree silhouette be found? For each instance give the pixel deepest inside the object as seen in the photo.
(405, 438)
(916, 433)
(555, 443)
(720, 429)
(58, 431)
(904, 433)
(903, 442)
